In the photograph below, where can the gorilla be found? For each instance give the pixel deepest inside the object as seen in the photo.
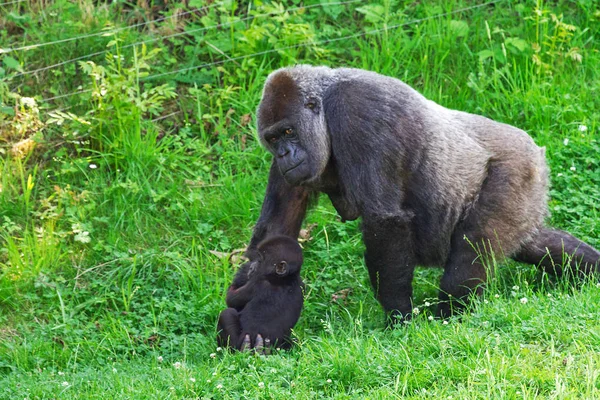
(433, 186)
(265, 298)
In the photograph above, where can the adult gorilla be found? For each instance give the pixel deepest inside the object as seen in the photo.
(433, 186)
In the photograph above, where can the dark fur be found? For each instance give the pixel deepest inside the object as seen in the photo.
(433, 186)
(263, 300)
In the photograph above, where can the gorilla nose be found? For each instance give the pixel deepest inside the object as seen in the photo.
(283, 152)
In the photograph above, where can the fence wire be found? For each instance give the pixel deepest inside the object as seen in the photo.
(207, 28)
(325, 41)
(11, 2)
(104, 32)
(299, 45)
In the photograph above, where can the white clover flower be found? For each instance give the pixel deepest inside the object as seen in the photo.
(93, 166)
(219, 386)
(214, 374)
(28, 101)
(416, 311)
(329, 381)
(177, 365)
(219, 349)
(160, 358)
(273, 371)
(566, 141)
(213, 355)
(573, 168)
(61, 373)
(192, 379)
(485, 301)
(208, 381)
(430, 318)
(261, 384)
(445, 322)
(550, 294)
(65, 383)
(497, 296)
(515, 287)
(427, 304)
(82, 237)
(582, 128)
(524, 300)
(114, 370)
(559, 174)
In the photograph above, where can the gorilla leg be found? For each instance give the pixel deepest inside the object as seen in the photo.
(229, 328)
(508, 208)
(551, 249)
(390, 260)
(464, 274)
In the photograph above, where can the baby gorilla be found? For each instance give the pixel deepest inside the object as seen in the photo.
(265, 297)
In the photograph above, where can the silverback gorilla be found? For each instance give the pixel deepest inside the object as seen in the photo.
(265, 298)
(433, 186)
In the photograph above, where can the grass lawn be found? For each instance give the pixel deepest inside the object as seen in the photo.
(130, 178)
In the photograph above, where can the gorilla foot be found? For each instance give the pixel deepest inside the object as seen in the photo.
(261, 346)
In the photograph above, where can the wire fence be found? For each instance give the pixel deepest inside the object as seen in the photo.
(11, 2)
(106, 32)
(280, 49)
(325, 41)
(187, 32)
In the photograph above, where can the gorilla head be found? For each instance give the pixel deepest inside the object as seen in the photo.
(279, 257)
(291, 124)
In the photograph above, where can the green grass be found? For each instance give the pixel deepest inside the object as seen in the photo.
(112, 229)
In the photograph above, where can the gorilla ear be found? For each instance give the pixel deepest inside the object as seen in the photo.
(281, 268)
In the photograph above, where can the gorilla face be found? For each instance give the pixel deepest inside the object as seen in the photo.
(292, 159)
(291, 126)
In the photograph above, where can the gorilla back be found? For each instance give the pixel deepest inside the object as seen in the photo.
(433, 186)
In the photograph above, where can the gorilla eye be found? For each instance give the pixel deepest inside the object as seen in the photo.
(312, 105)
(288, 131)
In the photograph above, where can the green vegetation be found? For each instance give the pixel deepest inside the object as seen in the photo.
(128, 177)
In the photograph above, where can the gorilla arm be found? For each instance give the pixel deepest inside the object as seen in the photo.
(283, 210)
(238, 297)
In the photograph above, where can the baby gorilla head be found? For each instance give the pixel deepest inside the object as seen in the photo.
(265, 299)
(279, 256)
